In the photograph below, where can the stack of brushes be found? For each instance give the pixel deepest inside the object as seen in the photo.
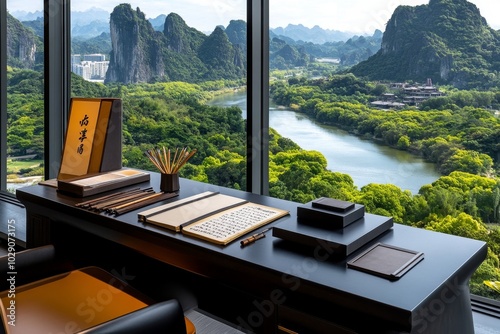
(125, 201)
(168, 163)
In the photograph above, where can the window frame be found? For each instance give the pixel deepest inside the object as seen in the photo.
(3, 97)
(57, 75)
(258, 96)
(56, 88)
(57, 91)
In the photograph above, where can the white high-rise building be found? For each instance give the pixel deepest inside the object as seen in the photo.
(76, 59)
(94, 57)
(90, 67)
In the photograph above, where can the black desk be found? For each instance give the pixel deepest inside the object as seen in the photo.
(284, 286)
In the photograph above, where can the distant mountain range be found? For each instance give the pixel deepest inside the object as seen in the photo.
(316, 34)
(90, 23)
(446, 41)
(145, 51)
(93, 22)
(290, 47)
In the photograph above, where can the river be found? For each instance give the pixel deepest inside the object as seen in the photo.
(365, 161)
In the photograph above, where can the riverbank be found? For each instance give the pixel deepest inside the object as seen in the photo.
(19, 182)
(366, 161)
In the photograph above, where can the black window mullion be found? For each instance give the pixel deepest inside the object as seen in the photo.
(57, 81)
(3, 95)
(258, 96)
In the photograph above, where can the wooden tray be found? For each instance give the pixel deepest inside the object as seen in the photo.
(386, 261)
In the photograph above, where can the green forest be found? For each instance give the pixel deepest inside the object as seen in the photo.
(456, 132)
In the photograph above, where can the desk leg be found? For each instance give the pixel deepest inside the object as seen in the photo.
(449, 312)
(38, 230)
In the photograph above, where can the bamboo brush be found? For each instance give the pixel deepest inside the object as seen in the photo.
(162, 159)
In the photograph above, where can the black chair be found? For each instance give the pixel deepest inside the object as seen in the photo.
(84, 300)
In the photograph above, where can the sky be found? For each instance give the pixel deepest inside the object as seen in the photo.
(358, 16)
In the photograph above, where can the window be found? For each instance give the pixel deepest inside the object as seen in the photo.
(23, 99)
(130, 48)
(337, 87)
(308, 82)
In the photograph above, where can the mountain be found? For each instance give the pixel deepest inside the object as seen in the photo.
(90, 23)
(447, 41)
(36, 25)
(350, 52)
(158, 22)
(180, 37)
(359, 48)
(90, 29)
(94, 21)
(179, 53)
(27, 16)
(224, 59)
(316, 34)
(135, 55)
(286, 54)
(24, 47)
(166, 48)
(87, 24)
(236, 31)
(99, 44)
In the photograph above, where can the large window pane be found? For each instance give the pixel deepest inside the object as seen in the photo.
(25, 100)
(360, 113)
(168, 64)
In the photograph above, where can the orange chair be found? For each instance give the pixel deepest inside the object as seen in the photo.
(86, 300)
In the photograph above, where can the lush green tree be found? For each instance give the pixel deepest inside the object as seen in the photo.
(416, 211)
(403, 142)
(21, 135)
(333, 185)
(346, 84)
(459, 191)
(385, 198)
(462, 225)
(225, 168)
(468, 161)
(379, 89)
(488, 271)
(438, 103)
(441, 201)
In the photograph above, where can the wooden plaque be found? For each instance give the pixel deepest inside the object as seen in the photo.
(93, 138)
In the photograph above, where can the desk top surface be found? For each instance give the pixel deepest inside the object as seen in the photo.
(448, 259)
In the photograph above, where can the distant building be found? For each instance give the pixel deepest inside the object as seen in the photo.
(415, 95)
(94, 57)
(76, 59)
(385, 105)
(328, 60)
(411, 95)
(397, 85)
(82, 70)
(387, 101)
(91, 67)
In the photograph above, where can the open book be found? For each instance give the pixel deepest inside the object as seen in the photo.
(212, 216)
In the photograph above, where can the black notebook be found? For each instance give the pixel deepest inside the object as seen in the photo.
(386, 261)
